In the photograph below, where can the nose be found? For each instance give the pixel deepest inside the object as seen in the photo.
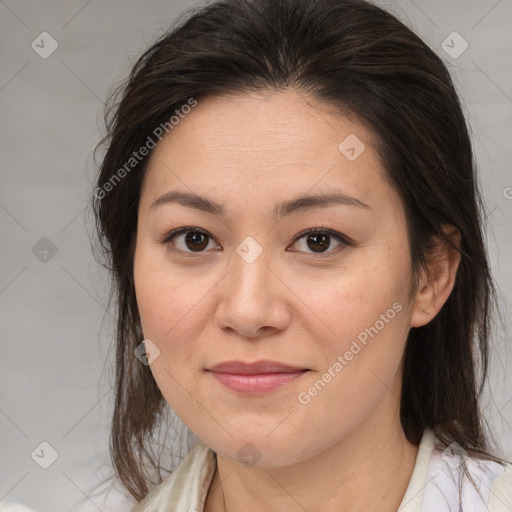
(253, 299)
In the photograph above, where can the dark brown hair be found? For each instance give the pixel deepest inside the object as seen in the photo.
(355, 58)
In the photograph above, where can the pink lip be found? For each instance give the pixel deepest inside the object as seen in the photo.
(255, 378)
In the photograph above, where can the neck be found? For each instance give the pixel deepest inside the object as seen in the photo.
(372, 464)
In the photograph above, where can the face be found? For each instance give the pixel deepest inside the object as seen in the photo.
(243, 282)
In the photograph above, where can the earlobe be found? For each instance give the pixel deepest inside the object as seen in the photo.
(438, 280)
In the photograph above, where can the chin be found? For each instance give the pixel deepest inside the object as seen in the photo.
(258, 449)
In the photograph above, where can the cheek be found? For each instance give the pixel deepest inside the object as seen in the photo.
(366, 311)
(153, 293)
(352, 300)
(169, 305)
(168, 299)
(361, 359)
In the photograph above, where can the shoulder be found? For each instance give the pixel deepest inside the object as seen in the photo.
(186, 488)
(500, 499)
(14, 507)
(457, 479)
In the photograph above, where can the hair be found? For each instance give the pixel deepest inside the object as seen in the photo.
(355, 58)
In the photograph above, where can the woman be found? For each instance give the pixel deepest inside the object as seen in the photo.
(290, 208)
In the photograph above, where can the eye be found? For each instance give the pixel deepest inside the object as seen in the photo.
(319, 239)
(195, 240)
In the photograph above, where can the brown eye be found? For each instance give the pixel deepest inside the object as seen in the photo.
(195, 240)
(320, 240)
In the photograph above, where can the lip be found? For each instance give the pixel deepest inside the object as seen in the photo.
(256, 367)
(257, 377)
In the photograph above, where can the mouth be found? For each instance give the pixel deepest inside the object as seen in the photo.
(255, 378)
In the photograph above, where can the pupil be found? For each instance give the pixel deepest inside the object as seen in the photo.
(194, 237)
(324, 237)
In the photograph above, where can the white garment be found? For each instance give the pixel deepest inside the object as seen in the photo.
(14, 507)
(433, 487)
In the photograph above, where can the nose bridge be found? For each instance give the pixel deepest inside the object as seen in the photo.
(251, 296)
(251, 272)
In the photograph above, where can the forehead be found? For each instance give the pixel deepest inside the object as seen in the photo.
(266, 144)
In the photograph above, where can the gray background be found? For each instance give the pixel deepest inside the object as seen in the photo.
(56, 362)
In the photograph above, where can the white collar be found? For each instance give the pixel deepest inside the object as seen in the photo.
(413, 497)
(187, 487)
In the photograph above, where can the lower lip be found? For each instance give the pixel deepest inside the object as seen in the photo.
(256, 383)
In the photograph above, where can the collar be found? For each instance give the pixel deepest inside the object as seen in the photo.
(187, 487)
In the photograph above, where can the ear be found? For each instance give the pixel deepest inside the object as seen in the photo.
(437, 282)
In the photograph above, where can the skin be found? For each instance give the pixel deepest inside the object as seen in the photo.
(345, 449)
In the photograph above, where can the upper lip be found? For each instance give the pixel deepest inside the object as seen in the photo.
(242, 367)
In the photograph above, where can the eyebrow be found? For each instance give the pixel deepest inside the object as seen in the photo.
(283, 209)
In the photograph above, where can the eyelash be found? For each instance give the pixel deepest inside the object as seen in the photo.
(342, 239)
